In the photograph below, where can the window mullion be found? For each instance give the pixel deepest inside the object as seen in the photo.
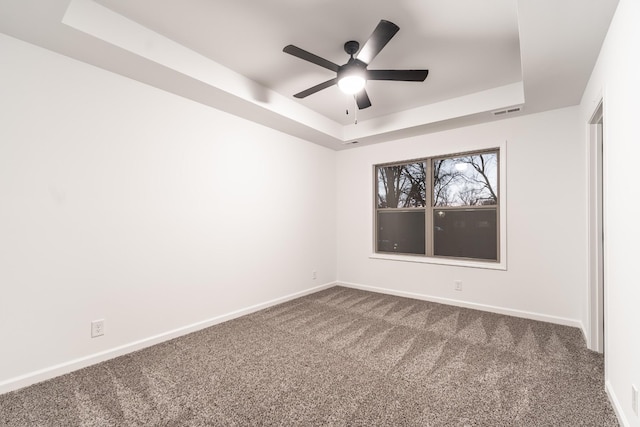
(428, 214)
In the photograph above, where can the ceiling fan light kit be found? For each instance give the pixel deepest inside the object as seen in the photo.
(351, 84)
(351, 80)
(352, 76)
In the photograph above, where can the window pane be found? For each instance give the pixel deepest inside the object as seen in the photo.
(466, 180)
(401, 231)
(466, 233)
(402, 186)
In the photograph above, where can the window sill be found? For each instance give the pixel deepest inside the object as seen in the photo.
(442, 261)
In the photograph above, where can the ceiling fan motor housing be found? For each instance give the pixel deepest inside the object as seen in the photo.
(353, 67)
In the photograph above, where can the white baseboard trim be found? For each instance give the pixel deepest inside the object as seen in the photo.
(622, 420)
(82, 362)
(475, 306)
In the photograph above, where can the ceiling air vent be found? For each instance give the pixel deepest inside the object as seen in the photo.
(507, 111)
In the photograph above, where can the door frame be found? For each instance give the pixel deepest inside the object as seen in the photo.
(596, 295)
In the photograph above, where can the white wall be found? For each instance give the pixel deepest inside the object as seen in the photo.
(616, 79)
(546, 220)
(123, 202)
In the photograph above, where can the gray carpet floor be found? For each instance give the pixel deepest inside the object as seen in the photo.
(340, 357)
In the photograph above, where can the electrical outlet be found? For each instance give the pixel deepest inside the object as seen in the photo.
(457, 285)
(634, 398)
(314, 275)
(97, 328)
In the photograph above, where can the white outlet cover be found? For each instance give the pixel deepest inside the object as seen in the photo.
(97, 328)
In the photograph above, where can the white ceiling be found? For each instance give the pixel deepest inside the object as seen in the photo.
(482, 56)
(475, 51)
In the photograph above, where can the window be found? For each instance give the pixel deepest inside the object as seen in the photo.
(445, 206)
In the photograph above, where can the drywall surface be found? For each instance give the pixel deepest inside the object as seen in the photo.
(616, 80)
(546, 219)
(155, 213)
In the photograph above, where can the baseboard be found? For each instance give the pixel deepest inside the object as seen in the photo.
(475, 306)
(82, 362)
(622, 420)
(586, 334)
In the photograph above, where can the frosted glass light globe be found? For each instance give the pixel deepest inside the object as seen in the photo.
(351, 84)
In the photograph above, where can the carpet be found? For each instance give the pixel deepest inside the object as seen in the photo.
(339, 357)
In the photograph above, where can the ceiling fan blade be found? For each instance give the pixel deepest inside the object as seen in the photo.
(362, 99)
(308, 56)
(398, 75)
(316, 88)
(378, 39)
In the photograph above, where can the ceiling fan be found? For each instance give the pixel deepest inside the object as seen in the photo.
(352, 76)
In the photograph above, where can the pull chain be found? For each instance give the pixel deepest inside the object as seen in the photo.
(355, 110)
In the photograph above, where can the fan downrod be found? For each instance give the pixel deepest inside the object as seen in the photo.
(351, 47)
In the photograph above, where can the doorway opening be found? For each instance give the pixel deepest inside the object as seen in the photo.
(596, 231)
